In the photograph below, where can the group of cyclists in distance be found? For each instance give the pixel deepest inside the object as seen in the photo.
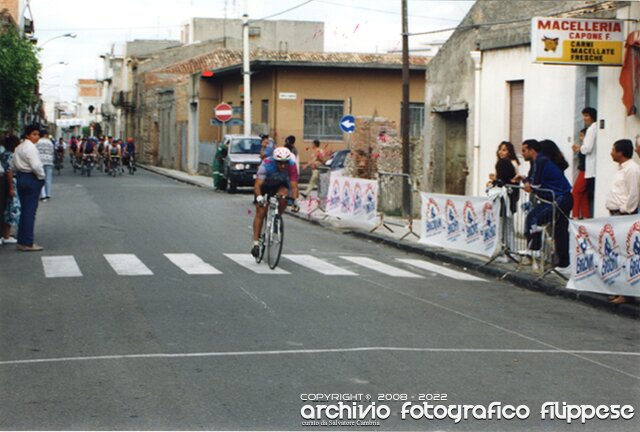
(106, 153)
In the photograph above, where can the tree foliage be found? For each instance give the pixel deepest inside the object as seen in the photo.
(19, 69)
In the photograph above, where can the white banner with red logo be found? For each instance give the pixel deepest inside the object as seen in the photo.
(469, 224)
(353, 199)
(605, 255)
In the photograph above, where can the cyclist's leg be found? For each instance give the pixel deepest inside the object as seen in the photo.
(261, 212)
(283, 191)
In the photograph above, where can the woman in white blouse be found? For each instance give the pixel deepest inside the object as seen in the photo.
(30, 179)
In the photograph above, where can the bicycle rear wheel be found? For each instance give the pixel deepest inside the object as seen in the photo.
(275, 240)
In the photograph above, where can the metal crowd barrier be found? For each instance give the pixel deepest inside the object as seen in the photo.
(539, 251)
(390, 201)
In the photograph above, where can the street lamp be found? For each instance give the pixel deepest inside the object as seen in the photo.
(54, 64)
(69, 35)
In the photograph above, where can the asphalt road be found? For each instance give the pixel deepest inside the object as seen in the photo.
(86, 346)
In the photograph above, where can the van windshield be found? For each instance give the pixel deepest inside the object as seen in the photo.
(245, 145)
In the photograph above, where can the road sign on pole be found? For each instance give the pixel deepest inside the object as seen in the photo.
(223, 112)
(348, 124)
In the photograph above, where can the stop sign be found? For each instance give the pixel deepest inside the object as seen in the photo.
(223, 112)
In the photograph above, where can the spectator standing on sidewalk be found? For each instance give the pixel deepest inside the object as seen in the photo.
(580, 198)
(46, 150)
(4, 190)
(318, 157)
(11, 211)
(290, 143)
(266, 147)
(546, 174)
(589, 149)
(624, 195)
(30, 176)
(507, 167)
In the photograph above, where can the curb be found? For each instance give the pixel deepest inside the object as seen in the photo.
(525, 281)
(163, 173)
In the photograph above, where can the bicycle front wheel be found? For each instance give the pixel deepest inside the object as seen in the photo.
(275, 240)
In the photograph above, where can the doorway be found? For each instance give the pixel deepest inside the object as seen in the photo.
(455, 151)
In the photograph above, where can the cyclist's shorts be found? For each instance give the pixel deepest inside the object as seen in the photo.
(272, 189)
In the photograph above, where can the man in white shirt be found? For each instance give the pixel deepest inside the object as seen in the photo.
(46, 150)
(30, 179)
(588, 148)
(624, 196)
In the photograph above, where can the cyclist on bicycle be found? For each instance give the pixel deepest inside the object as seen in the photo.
(59, 150)
(88, 148)
(113, 153)
(129, 151)
(277, 175)
(73, 148)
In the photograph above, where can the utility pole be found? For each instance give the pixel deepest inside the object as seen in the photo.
(404, 117)
(246, 72)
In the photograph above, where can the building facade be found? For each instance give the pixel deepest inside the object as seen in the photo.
(300, 94)
(277, 35)
(517, 99)
(521, 100)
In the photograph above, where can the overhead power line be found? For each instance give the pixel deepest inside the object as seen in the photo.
(513, 21)
(386, 11)
(280, 13)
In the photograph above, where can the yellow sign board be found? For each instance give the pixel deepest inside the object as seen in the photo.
(577, 41)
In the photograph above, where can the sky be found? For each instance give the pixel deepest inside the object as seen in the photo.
(350, 26)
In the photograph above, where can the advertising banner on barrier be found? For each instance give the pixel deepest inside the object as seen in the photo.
(605, 255)
(353, 199)
(469, 224)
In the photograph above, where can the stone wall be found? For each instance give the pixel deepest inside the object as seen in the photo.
(377, 154)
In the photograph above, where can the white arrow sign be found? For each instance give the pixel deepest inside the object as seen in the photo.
(348, 124)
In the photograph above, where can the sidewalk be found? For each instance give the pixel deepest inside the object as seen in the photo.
(399, 237)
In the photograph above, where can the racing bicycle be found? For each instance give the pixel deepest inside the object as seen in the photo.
(272, 235)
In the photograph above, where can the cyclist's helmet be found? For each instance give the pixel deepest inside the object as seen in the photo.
(281, 154)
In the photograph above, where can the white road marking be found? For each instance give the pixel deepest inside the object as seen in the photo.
(381, 267)
(321, 266)
(441, 270)
(320, 351)
(192, 264)
(61, 266)
(127, 265)
(247, 261)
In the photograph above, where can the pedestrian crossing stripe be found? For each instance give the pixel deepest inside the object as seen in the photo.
(381, 267)
(444, 271)
(192, 264)
(130, 265)
(60, 266)
(249, 262)
(318, 265)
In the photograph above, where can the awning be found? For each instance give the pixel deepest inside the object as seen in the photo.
(71, 122)
(630, 74)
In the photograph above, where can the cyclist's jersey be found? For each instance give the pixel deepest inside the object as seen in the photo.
(101, 148)
(271, 175)
(113, 150)
(89, 146)
(131, 148)
(74, 146)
